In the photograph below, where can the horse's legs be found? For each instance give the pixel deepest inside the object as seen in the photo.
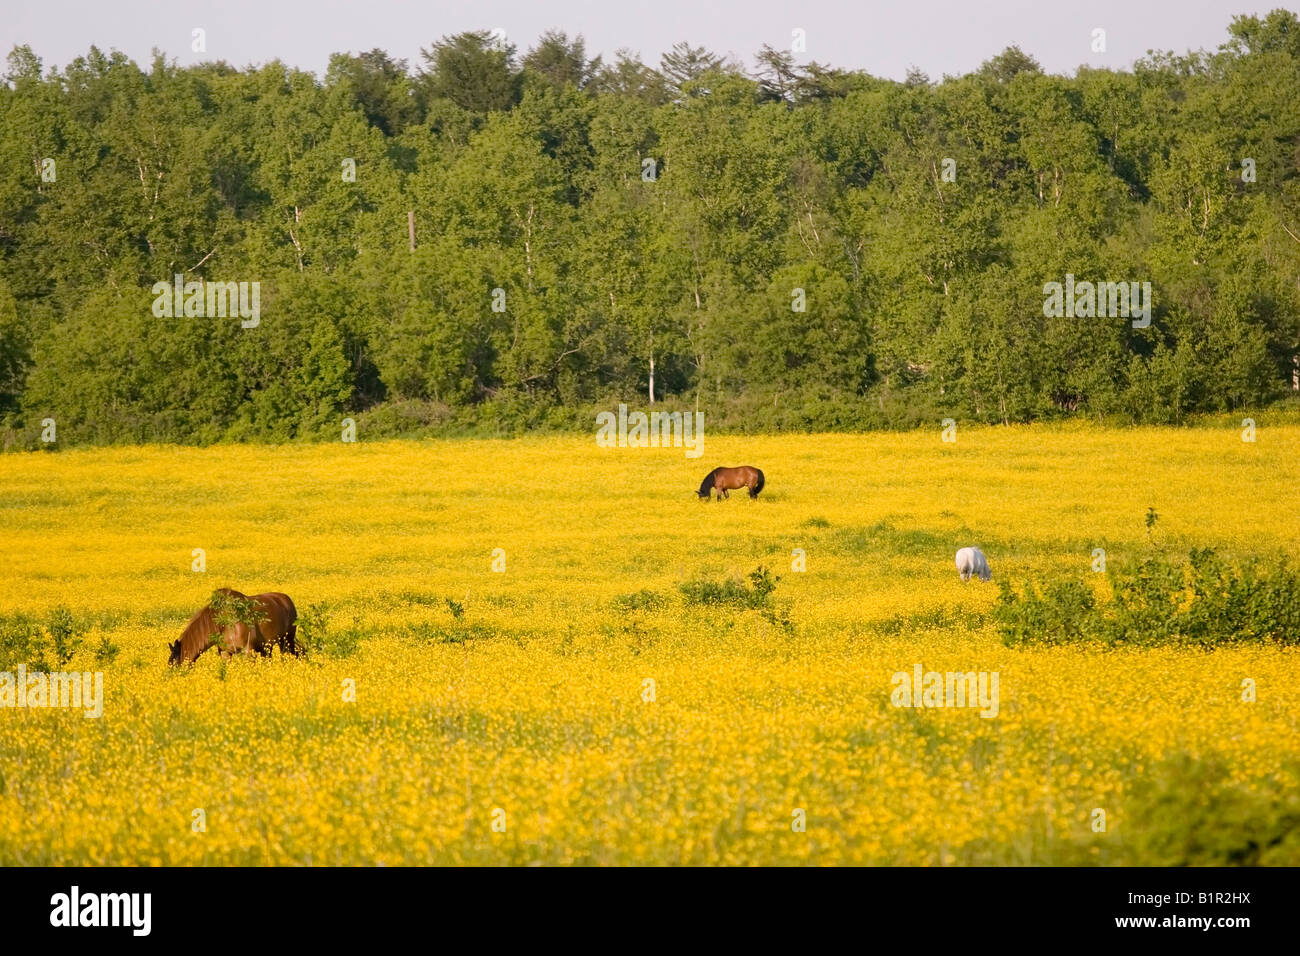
(724, 494)
(289, 643)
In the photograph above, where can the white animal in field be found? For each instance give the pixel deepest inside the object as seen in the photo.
(972, 561)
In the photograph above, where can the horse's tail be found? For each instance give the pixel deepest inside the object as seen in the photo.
(707, 484)
(759, 485)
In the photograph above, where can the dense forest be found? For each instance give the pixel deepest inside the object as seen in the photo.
(496, 240)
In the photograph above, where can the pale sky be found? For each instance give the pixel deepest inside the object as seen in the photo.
(883, 38)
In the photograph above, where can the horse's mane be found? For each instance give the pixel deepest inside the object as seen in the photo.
(708, 479)
(201, 626)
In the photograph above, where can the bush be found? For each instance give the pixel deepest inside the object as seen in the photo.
(1185, 811)
(732, 593)
(1055, 614)
(1189, 812)
(65, 635)
(643, 600)
(317, 635)
(106, 651)
(23, 640)
(1205, 600)
(458, 632)
(229, 609)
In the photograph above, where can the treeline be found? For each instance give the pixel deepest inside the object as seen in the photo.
(783, 245)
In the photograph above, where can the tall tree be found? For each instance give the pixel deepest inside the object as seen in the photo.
(473, 70)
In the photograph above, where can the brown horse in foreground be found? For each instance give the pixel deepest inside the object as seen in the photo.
(724, 479)
(239, 624)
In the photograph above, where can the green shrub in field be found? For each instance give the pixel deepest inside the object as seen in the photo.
(1184, 811)
(757, 596)
(1058, 613)
(24, 640)
(21, 642)
(65, 634)
(106, 651)
(231, 609)
(1251, 602)
(318, 635)
(643, 600)
(1204, 600)
(1188, 812)
(729, 592)
(457, 632)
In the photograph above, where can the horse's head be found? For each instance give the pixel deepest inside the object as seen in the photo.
(174, 658)
(706, 486)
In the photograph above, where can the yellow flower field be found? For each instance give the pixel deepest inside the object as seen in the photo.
(574, 727)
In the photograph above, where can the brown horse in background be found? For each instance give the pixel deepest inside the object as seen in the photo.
(276, 622)
(724, 479)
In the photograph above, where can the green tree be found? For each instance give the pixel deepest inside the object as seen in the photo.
(473, 70)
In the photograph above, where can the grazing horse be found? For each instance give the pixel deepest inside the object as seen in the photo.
(972, 561)
(723, 479)
(258, 622)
